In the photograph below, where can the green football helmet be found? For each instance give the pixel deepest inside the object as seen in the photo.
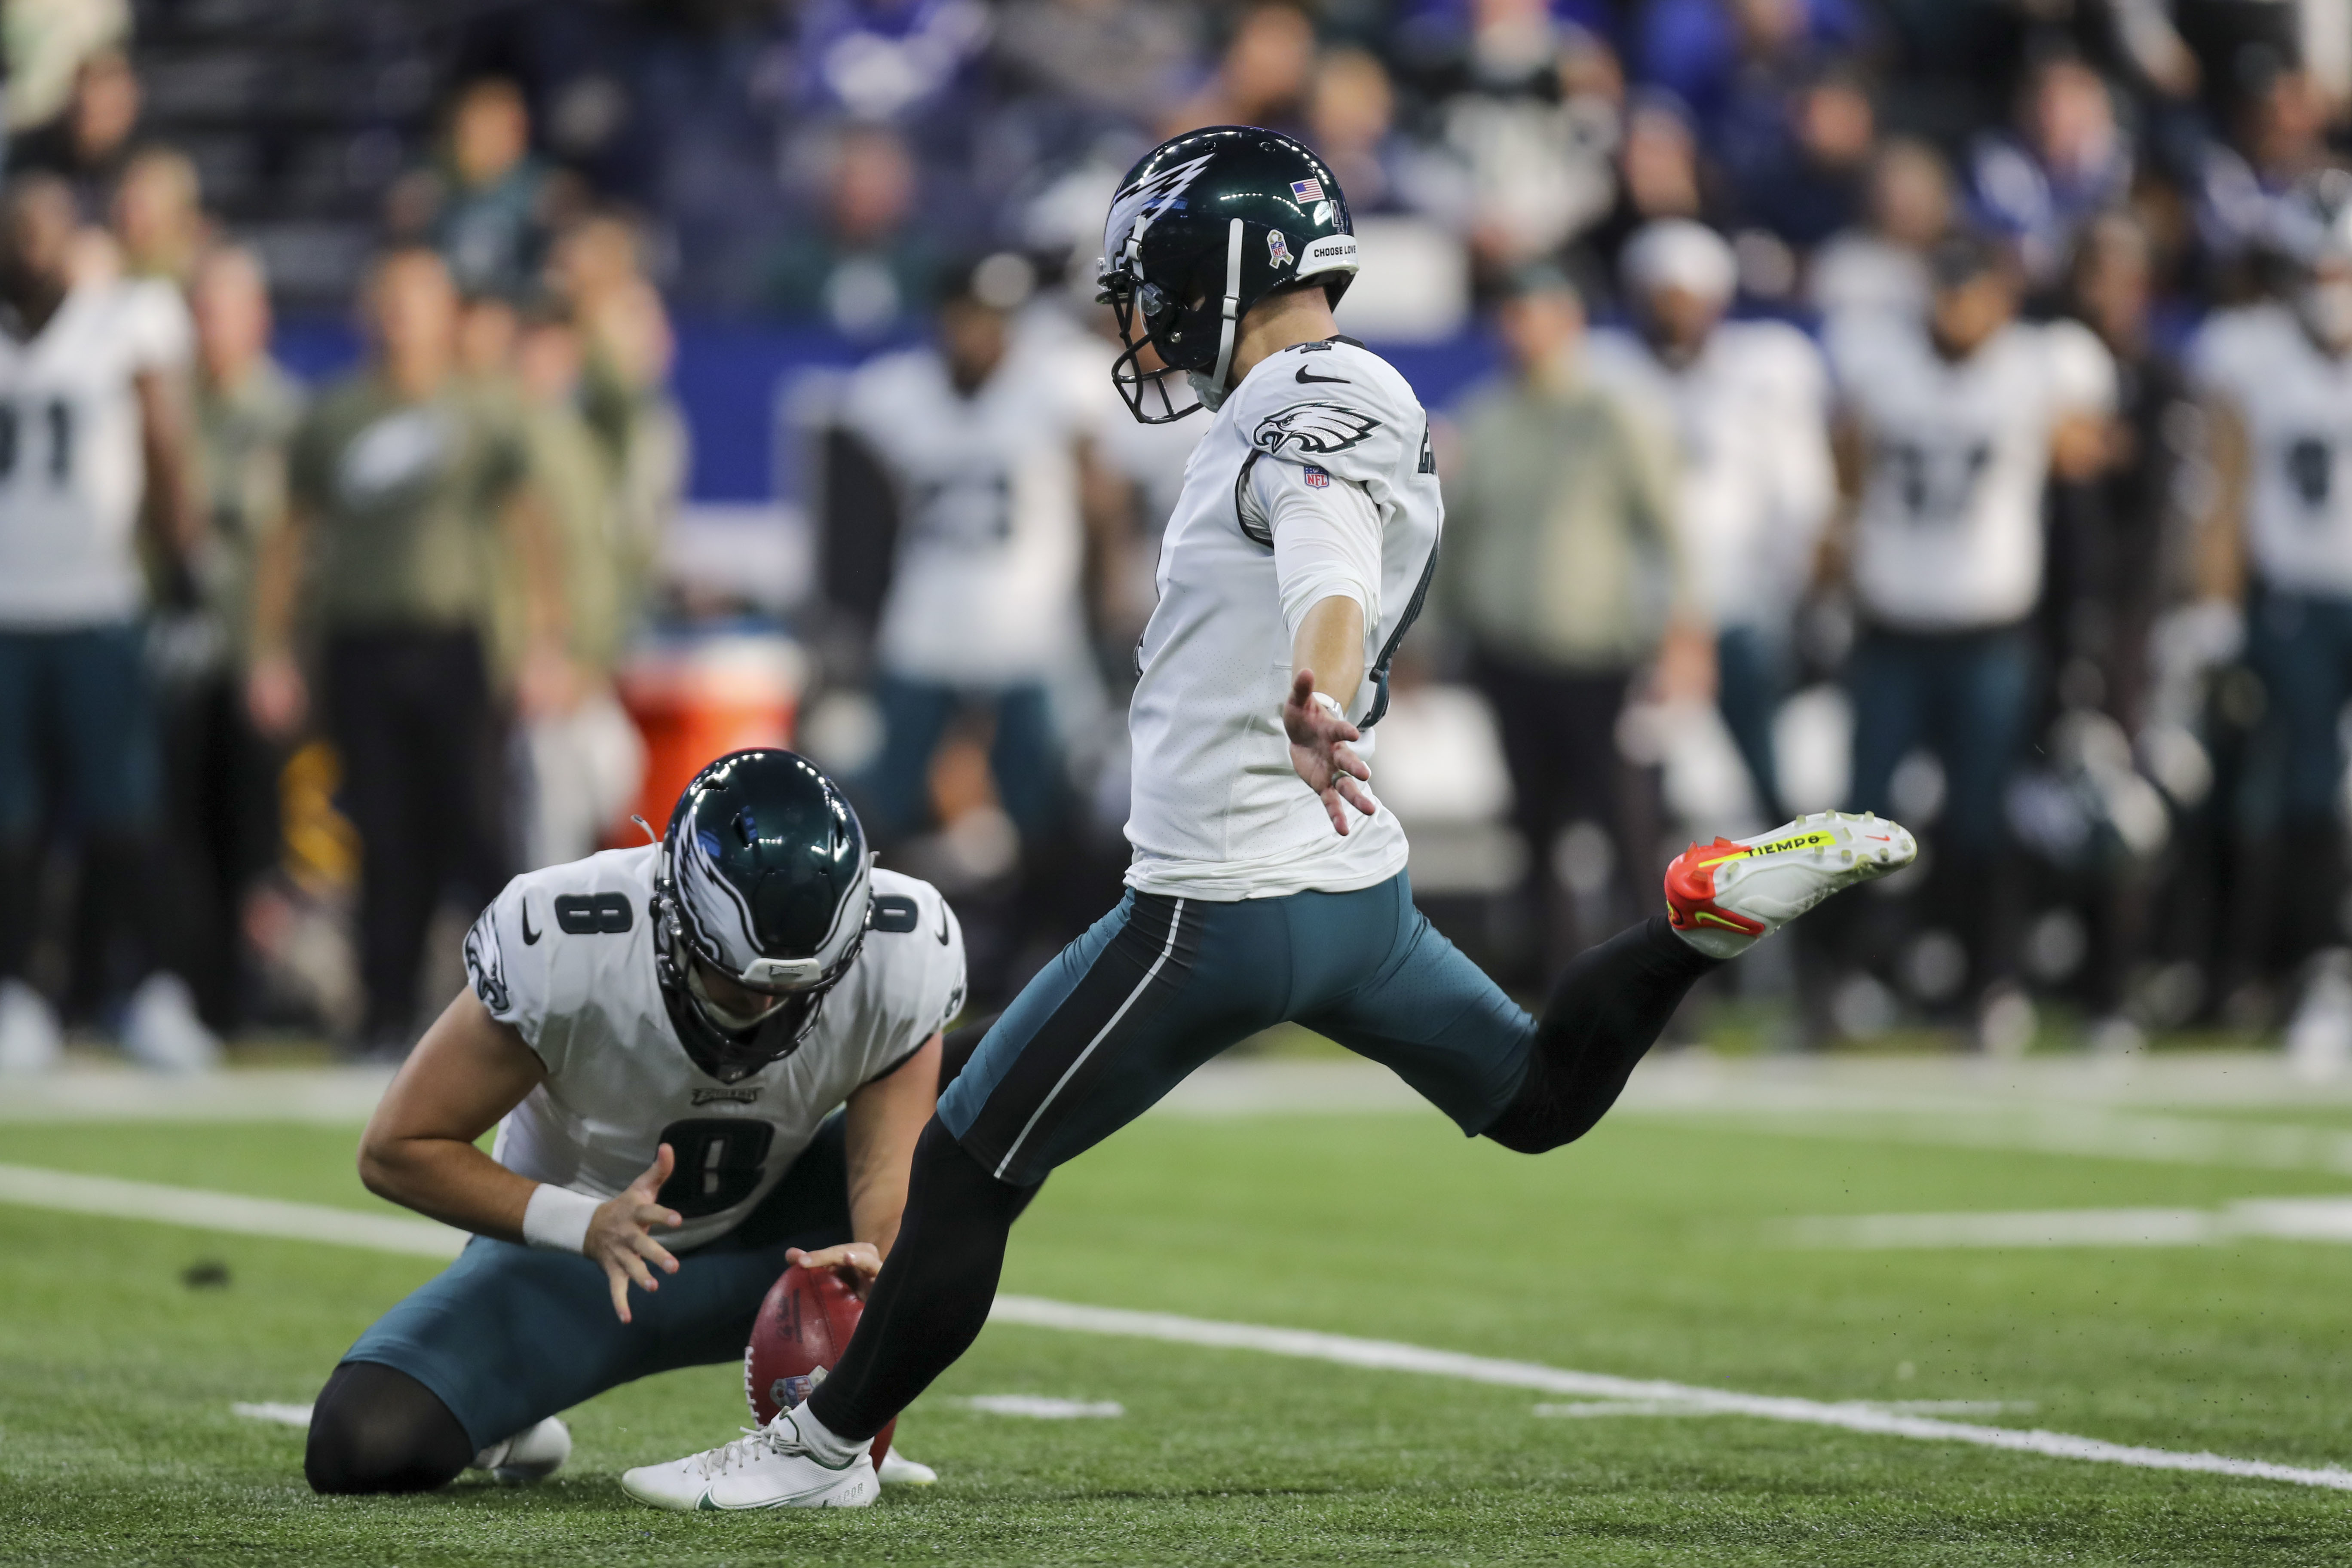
(1205, 226)
(764, 879)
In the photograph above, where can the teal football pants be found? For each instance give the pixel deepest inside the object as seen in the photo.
(1160, 984)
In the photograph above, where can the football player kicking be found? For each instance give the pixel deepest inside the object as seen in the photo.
(1267, 884)
(659, 1034)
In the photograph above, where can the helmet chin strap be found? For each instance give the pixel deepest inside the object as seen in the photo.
(1211, 388)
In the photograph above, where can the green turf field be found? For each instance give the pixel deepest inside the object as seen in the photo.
(1649, 1250)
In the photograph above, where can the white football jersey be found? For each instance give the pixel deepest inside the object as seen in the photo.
(2296, 403)
(1217, 810)
(1752, 417)
(984, 589)
(1948, 534)
(72, 469)
(566, 955)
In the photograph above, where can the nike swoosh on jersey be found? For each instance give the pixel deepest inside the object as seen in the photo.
(1305, 376)
(529, 937)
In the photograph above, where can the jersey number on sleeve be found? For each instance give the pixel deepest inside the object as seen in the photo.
(718, 1163)
(57, 415)
(589, 914)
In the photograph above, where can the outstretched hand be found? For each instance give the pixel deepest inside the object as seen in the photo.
(619, 1236)
(1320, 752)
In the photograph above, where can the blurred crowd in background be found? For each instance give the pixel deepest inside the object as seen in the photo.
(1932, 406)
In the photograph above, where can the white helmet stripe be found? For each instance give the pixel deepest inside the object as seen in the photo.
(722, 916)
(1232, 305)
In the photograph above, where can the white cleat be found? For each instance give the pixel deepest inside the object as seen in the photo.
(531, 1454)
(897, 1471)
(161, 1031)
(30, 1040)
(1723, 896)
(767, 1467)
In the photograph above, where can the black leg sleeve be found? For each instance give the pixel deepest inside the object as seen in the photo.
(377, 1429)
(933, 1295)
(1608, 1011)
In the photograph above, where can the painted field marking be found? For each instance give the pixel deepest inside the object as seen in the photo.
(1382, 1355)
(1896, 1406)
(2273, 1219)
(272, 1410)
(1039, 1407)
(74, 1193)
(229, 1212)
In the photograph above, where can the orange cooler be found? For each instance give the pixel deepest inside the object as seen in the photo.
(700, 697)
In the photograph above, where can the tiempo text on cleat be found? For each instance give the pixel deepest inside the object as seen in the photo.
(1721, 897)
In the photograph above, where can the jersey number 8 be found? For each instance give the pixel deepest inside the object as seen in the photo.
(718, 1163)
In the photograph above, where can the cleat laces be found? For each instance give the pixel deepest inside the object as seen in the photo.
(755, 1443)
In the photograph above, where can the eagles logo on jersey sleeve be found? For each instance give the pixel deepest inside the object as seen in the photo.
(485, 969)
(510, 963)
(1312, 429)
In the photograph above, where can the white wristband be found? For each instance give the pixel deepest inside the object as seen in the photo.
(1330, 705)
(556, 1218)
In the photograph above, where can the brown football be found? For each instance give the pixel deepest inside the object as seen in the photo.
(798, 1337)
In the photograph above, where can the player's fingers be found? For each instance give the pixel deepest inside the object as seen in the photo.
(619, 1283)
(1335, 811)
(1302, 687)
(1355, 794)
(649, 1180)
(639, 1275)
(647, 1247)
(1347, 762)
(654, 1214)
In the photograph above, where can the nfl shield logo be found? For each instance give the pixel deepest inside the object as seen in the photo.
(1278, 249)
(1309, 190)
(1317, 478)
(791, 1392)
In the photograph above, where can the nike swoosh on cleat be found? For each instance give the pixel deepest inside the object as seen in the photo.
(1306, 377)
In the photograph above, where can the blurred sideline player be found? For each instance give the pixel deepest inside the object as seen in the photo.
(660, 1036)
(410, 490)
(586, 760)
(93, 447)
(1266, 884)
(984, 437)
(1952, 428)
(1750, 403)
(223, 772)
(2277, 379)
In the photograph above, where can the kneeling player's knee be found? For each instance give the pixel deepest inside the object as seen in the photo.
(377, 1429)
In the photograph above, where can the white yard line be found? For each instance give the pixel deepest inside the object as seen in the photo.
(273, 1411)
(306, 1222)
(231, 1212)
(1041, 1407)
(1898, 1406)
(2274, 1219)
(1386, 1356)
